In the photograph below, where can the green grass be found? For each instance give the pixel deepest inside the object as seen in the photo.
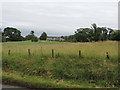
(36, 81)
(91, 70)
(31, 43)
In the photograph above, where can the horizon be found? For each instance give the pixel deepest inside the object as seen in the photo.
(51, 35)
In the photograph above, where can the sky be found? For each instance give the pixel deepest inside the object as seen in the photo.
(58, 18)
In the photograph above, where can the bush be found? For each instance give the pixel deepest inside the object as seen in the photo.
(34, 39)
(43, 36)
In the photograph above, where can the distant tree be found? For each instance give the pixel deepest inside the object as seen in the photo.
(32, 32)
(31, 37)
(62, 37)
(93, 34)
(110, 32)
(34, 39)
(82, 35)
(22, 38)
(96, 32)
(43, 36)
(115, 35)
(100, 33)
(12, 34)
(104, 35)
(70, 38)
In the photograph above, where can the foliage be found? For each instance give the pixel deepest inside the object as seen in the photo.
(12, 34)
(82, 35)
(43, 36)
(34, 39)
(115, 35)
(70, 38)
(31, 37)
(94, 34)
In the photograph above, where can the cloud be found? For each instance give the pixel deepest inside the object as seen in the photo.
(58, 18)
(60, 0)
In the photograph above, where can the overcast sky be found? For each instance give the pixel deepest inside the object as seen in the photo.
(58, 18)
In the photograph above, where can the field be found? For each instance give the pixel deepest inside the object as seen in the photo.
(73, 65)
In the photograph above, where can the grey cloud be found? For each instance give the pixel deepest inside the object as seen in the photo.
(58, 18)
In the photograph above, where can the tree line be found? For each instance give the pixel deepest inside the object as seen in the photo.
(94, 33)
(13, 34)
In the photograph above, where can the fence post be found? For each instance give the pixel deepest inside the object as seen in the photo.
(29, 52)
(79, 53)
(9, 52)
(52, 53)
(107, 55)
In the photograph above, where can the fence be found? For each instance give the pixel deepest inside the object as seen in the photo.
(53, 53)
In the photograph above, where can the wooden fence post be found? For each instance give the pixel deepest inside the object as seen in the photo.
(107, 55)
(52, 53)
(9, 52)
(79, 53)
(29, 52)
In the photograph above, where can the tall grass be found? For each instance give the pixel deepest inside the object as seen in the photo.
(91, 67)
(89, 50)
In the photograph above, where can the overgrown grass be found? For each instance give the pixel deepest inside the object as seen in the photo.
(36, 81)
(89, 50)
(90, 70)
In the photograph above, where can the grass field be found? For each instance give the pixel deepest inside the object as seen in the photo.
(66, 69)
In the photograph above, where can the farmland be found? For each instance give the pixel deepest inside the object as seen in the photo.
(73, 65)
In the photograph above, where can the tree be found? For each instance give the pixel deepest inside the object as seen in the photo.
(43, 36)
(12, 34)
(82, 35)
(70, 38)
(32, 32)
(22, 38)
(93, 34)
(34, 39)
(96, 32)
(31, 37)
(115, 35)
(110, 32)
(62, 37)
(104, 35)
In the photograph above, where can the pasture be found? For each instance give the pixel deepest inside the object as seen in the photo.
(68, 65)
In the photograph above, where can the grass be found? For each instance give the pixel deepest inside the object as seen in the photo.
(91, 70)
(36, 81)
(24, 43)
(89, 50)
